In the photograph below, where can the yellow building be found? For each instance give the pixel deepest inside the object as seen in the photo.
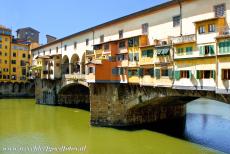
(14, 58)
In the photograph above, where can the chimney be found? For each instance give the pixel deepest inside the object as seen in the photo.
(50, 38)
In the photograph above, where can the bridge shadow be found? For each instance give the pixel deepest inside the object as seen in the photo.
(82, 106)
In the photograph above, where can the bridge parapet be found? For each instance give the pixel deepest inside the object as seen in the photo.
(74, 77)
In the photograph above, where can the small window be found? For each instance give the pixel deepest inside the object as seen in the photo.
(121, 44)
(120, 34)
(145, 28)
(87, 41)
(5, 61)
(201, 29)
(75, 45)
(50, 51)
(14, 69)
(211, 28)
(23, 55)
(6, 47)
(56, 49)
(5, 54)
(14, 54)
(184, 74)
(176, 21)
(219, 10)
(102, 38)
(106, 46)
(44, 52)
(65, 47)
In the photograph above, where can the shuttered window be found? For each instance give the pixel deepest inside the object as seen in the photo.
(224, 47)
(205, 74)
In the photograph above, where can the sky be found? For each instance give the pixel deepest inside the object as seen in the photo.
(61, 18)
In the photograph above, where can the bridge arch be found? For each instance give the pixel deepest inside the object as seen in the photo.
(65, 65)
(74, 94)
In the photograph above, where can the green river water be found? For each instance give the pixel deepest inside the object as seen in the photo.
(26, 126)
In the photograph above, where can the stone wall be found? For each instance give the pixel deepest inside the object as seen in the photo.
(8, 89)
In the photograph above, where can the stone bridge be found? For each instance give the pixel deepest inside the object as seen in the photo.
(120, 104)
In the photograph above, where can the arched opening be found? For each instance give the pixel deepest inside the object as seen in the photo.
(74, 95)
(75, 64)
(65, 65)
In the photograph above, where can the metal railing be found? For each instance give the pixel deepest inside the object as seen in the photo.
(223, 31)
(75, 76)
(183, 39)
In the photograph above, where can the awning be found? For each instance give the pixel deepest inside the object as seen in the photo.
(36, 68)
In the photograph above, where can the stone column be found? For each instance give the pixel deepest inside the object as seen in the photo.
(70, 68)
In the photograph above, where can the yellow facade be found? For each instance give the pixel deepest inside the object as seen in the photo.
(14, 59)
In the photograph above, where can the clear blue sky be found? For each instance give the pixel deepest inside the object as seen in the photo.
(64, 17)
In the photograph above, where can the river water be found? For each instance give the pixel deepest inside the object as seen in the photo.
(26, 127)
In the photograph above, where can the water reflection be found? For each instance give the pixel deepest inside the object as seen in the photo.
(208, 123)
(24, 123)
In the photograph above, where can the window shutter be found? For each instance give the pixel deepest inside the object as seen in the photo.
(170, 73)
(228, 47)
(136, 57)
(211, 49)
(190, 74)
(225, 44)
(177, 75)
(152, 72)
(140, 71)
(221, 47)
(213, 74)
(94, 70)
(129, 73)
(198, 74)
(201, 48)
(157, 72)
(130, 56)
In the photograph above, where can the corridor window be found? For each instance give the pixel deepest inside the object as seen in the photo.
(65, 47)
(75, 45)
(176, 21)
(120, 34)
(225, 74)
(219, 10)
(145, 28)
(201, 30)
(102, 38)
(211, 28)
(87, 41)
(147, 53)
(106, 46)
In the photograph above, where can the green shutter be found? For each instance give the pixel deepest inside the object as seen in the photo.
(190, 74)
(129, 73)
(213, 74)
(228, 47)
(198, 74)
(221, 47)
(152, 72)
(211, 49)
(225, 44)
(202, 48)
(177, 75)
(170, 73)
(140, 71)
(150, 53)
(188, 50)
(144, 53)
(157, 72)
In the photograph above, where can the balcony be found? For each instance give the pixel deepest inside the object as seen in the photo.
(184, 39)
(146, 61)
(89, 52)
(124, 63)
(75, 76)
(192, 54)
(223, 32)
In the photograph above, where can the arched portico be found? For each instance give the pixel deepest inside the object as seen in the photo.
(75, 64)
(65, 65)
